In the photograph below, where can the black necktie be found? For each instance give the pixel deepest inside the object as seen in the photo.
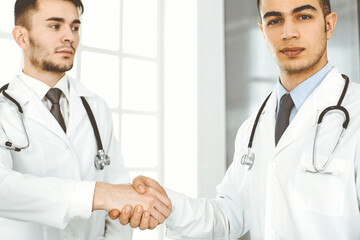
(54, 95)
(282, 121)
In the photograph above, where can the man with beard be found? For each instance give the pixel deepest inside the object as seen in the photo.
(51, 189)
(302, 181)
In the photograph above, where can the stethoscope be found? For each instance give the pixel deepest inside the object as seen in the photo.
(101, 159)
(249, 158)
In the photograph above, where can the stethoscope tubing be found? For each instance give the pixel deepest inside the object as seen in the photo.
(101, 159)
(248, 159)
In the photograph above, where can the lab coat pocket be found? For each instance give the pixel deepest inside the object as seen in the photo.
(321, 193)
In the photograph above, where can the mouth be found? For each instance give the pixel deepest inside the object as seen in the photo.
(67, 52)
(292, 51)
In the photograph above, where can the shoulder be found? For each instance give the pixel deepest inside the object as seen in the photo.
(352, 96)
(97, 104)
(243, 133)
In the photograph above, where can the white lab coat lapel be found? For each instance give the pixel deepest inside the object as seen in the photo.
(77, 110)
(34, 109)
(269, 119)
(325, 95)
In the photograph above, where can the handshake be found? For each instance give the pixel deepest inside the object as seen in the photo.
(143, 204)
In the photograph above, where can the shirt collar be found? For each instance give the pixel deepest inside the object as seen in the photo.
(304, 89)
(40, 88)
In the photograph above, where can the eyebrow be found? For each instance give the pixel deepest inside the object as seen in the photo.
(305, 7)
(57, 19)
(296, 10)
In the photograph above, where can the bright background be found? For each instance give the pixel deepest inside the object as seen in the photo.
(159, 64)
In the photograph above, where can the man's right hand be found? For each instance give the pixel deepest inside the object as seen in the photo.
(143, 185)
(107, 197)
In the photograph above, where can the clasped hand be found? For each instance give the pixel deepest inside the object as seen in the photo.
(153, 207)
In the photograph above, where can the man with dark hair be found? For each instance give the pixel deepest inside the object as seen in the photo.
(24, 9)
(295, 173)
(325, 6)
(52, 189)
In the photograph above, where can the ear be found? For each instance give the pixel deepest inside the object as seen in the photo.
(261, 28)
(20, 35)
(330, 24)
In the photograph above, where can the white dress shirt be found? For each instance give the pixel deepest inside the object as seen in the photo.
(40, 89)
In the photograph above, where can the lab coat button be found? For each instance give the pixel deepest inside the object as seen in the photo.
(274, 165)
(273, 234)
(75, 235)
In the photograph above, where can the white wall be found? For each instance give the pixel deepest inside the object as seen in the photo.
(211, 96)
(194, 87)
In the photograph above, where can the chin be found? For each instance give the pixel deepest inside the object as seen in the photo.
(293, 66)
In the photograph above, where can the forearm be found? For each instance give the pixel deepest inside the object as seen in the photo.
(109, 196)
(196, 218)
(48, 201)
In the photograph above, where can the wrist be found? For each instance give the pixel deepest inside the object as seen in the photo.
(100, 196)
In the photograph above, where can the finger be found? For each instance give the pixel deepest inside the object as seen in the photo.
(139, 184)
(162, 209)
(144, 224)
(161, 195)
(114, 214)
(153, 184)
(136, 217)
(125, 215)
(153, 223)
(157, 215)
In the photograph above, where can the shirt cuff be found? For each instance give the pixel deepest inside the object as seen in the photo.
(82, 200)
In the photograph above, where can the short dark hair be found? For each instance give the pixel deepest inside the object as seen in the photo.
(325, 6)
(25, 8)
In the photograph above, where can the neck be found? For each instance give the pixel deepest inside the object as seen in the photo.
(291, 80)
(47, 77)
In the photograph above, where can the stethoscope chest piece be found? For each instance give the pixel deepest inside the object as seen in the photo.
(248, 159)
(101, 160)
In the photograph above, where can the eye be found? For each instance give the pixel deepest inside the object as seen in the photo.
(55, 26)
(75, 28)
(273, 22)
(304, 17)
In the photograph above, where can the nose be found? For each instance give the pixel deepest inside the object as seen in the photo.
(290, 31)
(68, 35)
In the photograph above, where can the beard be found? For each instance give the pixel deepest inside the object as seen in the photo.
(309, 64)
(46, 64)
(50, 66)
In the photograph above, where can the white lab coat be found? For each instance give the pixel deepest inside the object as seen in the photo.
(276, 199)
(46, 191)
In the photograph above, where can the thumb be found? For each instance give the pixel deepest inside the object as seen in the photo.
(114, 214)
(139, 184)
